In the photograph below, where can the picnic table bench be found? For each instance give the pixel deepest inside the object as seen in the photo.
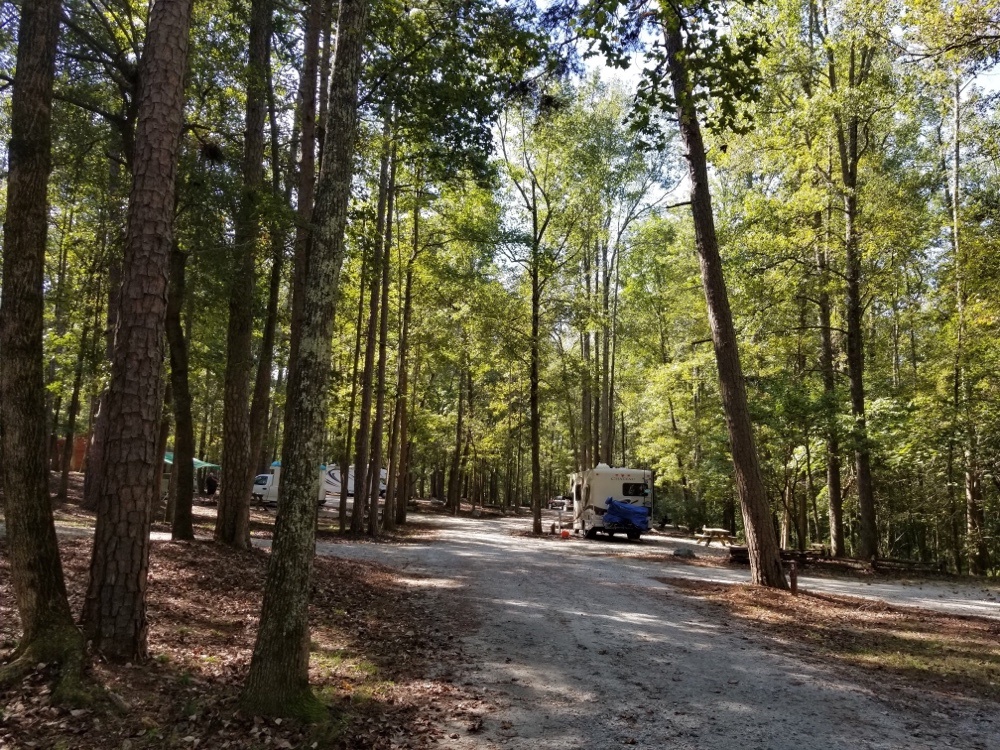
(708, 535)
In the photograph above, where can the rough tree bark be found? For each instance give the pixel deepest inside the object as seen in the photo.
(115, 606)
(278, 683)
(232, 524)
(49, 634)
(765, 563)
(307, 167)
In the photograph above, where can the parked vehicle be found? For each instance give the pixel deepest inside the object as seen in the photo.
(612, 500)
(265, 486)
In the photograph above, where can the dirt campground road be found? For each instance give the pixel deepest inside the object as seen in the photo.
(580, 648)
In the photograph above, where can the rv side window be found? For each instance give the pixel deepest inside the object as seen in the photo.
(634, 489)
(576, 492)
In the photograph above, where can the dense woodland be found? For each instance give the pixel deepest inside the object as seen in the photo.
(465, 242)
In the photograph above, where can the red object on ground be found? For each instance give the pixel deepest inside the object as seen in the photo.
(565, 534)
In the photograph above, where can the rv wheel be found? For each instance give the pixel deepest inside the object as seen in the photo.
(633, 536)
(590, 533)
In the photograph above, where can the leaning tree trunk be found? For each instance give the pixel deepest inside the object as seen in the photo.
(765, 563)
(49, 635)
(182, 521)
(278, 683)
(115, 607)
(232, 524)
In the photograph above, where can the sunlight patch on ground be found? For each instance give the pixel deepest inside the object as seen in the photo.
(431, 583)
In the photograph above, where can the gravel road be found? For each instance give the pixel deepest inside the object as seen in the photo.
(580, 648)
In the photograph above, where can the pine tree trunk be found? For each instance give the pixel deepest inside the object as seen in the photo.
(49, 634)
(181, 521)
(115, 606)
(278, 683)
(376, 449)
(765, 564)
(232, 524)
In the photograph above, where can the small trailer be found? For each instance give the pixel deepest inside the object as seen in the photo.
(612, 500)
(265, 486)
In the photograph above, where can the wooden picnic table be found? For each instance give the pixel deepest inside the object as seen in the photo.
(709, 535)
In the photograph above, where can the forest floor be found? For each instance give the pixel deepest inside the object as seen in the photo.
(468, 633)
(384, 648)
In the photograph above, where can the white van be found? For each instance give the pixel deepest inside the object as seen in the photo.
(612, 500)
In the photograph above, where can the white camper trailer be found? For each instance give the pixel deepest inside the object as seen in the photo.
(612, 500)
(265, 486)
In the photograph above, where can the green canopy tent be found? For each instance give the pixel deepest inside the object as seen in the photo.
(168, 457)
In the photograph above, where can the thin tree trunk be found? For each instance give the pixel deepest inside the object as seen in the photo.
(765, 564)
(71, 415)
(260, 406)
(49, 634)
(364, 415)
(345, 464)
(278, 683)
(181, 520)
(376, 449)
(454, 480)
(607, 413)
(848, 149)
(534, 405)
(115, 606)
(833, 488)
(232, 524)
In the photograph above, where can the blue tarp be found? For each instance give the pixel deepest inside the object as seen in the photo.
(626, 514)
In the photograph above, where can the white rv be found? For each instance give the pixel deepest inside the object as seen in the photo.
(612, 501)
(265, 486)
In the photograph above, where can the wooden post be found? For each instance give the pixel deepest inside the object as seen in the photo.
(793, 578)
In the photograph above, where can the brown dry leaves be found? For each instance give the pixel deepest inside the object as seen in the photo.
(378, 651)
(957, 655)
